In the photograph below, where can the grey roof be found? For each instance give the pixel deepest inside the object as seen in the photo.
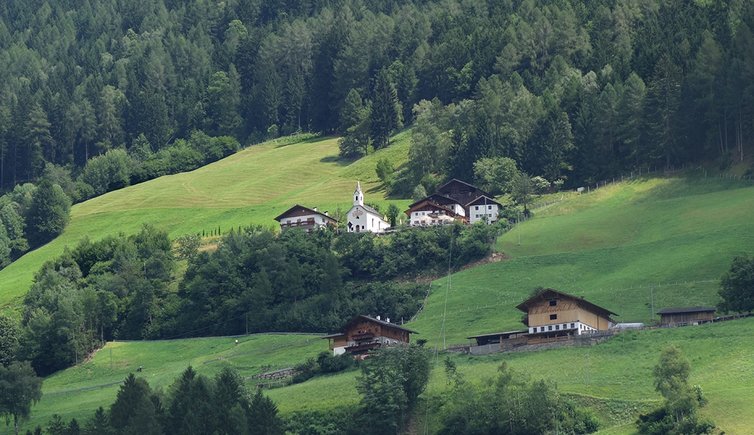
(371, 210)
(681, 310)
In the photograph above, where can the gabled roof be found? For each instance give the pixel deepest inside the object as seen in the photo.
(301, 208)
(684, 310)
(554, 294)
(483, 199)
(381, 322)
(436, 198)
(370, 210)
(429, 203)
(457, 181)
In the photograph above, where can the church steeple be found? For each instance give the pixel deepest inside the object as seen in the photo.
(358, 195)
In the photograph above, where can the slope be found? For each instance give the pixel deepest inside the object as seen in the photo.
(250, 187)
(632, 247)
(622, 246)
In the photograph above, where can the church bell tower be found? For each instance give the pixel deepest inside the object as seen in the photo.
(358, 195)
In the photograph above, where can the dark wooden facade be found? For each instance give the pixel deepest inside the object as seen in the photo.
(686, 316)
(363, 334)
(462, 192)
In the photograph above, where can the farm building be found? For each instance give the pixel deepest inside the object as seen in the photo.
(454, 201)
(304, 218)
(686, 316)
(552, 313)
(364, 333)
(499, 337)
(363, 218)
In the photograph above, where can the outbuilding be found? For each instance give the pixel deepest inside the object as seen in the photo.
(683, 316)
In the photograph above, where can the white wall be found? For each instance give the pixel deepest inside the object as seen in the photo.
(367, 222)
(480, 212)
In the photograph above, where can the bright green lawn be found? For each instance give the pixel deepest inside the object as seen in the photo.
(622, 247)
(250, 187)
(77, 391)
(609, 246)
(615, 375)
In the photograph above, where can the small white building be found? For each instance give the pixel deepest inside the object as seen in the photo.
(484, 209)
(304, 218)
(362, 218)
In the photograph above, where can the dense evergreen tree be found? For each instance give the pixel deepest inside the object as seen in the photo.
(386, 110)
(48, 215)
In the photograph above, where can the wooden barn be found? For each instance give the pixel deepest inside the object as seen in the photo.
(363, 334)
(552, 313)
(499, 337)
(686, 316)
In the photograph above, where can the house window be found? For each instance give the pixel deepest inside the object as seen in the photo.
(557, 327)
(541, 329)
(572, 326)
(553, 302)
(553, 317)
(549, 328)
(476, 207)
(489, 207)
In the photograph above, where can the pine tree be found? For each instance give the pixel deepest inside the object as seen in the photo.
(263, 416)
(663, 98)
(38, 142)
(386, 111)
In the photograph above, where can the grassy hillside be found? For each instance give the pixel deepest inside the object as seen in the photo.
(615, 377)
(622, 246)
(250, 187)
(626, 247)
(77, 391)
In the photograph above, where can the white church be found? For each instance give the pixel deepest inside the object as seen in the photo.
(362, 218)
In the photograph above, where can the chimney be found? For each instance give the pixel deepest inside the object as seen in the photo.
(378, 317)
(387, 319)
(327, 213)
(315, 208)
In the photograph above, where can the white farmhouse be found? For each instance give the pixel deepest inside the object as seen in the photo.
(305, 218)
(362, 218)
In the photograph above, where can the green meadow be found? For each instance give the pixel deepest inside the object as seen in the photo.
(250, 187)
(631, 247)
(77, 391)
(613, 378)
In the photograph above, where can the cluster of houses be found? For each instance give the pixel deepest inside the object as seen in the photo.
(454, 201)
(550, 315)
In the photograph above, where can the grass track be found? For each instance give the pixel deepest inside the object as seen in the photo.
(250, 187)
